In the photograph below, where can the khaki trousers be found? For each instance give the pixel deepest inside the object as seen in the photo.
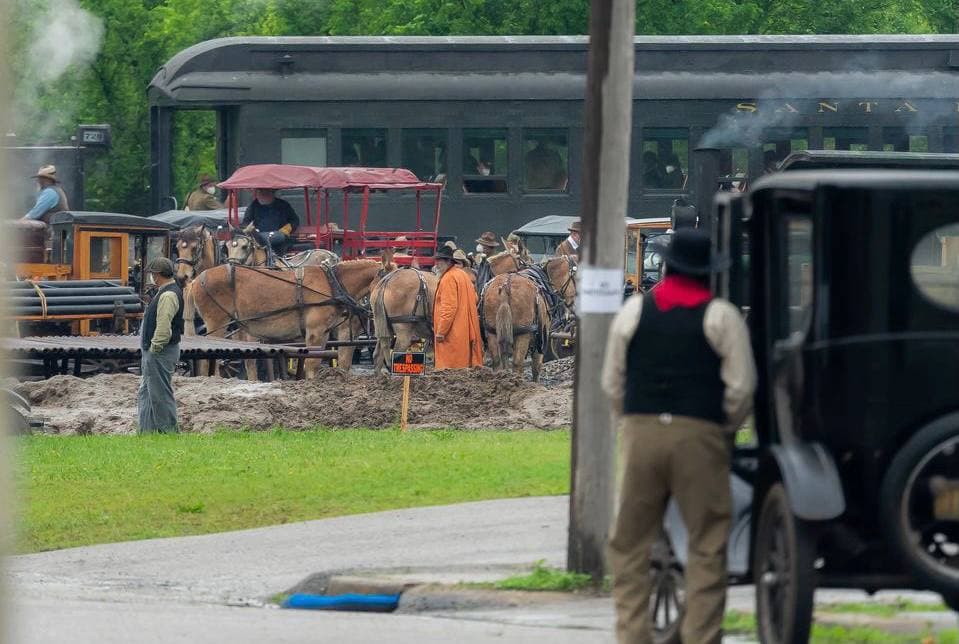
(686, 459)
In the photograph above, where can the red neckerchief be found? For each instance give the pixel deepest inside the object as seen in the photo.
(681, 291)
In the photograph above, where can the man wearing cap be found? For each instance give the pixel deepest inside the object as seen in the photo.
(570, 245)
(679, 369)
(160, 351)
(457, 342)
(204, 197)
(51, 197)
(273, 217)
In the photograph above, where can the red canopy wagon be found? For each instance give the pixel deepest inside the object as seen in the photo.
(319, 229)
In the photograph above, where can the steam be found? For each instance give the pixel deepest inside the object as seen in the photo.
(63, 39)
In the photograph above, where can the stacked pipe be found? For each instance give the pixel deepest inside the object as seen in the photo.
(71, 297)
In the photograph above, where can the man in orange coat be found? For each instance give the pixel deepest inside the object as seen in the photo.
(458, 344)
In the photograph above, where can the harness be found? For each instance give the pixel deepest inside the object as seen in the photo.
(560, 316)
(339, 297)
(269, 261)
(205, 237)
(422, 302)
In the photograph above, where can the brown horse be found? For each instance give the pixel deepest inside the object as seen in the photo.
(524, 307)
(402, 302)
(507, 261)
(247, 250)
(196, 252)
(282, 306)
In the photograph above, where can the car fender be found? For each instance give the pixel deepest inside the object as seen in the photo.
(811, 479)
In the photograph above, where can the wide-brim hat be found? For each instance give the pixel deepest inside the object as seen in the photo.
(47, 172)
(206, 179)
(575, 226)
(445, 252)
(690, 251)
(459, 255)
(488, 239)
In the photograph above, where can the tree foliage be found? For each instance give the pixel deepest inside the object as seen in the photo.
(141, 35)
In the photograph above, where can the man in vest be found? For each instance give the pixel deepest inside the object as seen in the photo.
(51, 197)
(160, 350)
(679, 368)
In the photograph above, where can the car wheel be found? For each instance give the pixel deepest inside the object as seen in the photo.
(783, 568)
(920, 506)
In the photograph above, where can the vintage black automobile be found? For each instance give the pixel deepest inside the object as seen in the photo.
(849, 477)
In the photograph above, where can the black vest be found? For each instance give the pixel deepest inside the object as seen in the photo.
(670, 366)
(149, 326)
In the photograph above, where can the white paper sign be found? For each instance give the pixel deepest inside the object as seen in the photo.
(599, 290)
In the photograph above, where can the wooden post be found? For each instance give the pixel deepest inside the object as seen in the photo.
(405, 405)
(606, 147)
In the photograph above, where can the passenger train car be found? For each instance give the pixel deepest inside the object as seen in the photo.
(500, 119)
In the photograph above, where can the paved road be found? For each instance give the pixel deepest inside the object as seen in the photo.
(213, 588)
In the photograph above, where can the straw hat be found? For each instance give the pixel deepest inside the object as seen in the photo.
(460, 256)
(47, 172)
(575, 226)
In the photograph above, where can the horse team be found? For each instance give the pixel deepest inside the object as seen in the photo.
(248, 294)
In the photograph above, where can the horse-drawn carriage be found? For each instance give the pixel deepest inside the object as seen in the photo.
(850, 477)
(352, 240)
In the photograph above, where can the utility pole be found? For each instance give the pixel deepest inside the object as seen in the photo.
(606, 147)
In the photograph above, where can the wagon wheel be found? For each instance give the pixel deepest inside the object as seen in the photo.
(783, 567)
(920, 505)
(667, 602)
(231, 368)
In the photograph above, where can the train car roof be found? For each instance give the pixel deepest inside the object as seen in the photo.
(820, 159)
(249, 69)
(108, 219)
(876, 179)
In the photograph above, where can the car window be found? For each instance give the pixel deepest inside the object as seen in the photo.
(934, 265)
(798, 274)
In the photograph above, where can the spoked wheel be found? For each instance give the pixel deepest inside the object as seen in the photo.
(920, 502)
(667, 602)
(231, 368)
(783, 567)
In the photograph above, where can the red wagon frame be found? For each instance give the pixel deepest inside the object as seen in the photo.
(318, 231)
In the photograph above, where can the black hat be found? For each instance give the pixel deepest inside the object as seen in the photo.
(444, 252)
(690, 251)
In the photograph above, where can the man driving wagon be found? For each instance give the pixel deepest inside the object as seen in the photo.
(271, 219)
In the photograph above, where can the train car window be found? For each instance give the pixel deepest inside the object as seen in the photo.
(950, 139)
(899, 139)
(665, 157)
(779, 143)
(485, 155)
(363, 147)
(934, 265)
(424, 152)
(734, 163)
(304, 148)
(845, 138)
(546, 156)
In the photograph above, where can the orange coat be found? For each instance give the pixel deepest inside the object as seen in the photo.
(455, 317)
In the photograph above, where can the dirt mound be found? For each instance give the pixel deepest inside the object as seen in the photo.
(476, 399)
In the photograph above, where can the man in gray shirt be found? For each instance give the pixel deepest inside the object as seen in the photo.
(160, 351)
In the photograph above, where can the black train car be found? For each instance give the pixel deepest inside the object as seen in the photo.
(500, 118)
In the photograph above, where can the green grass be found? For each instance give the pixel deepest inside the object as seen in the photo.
(94, 489)
(739, 623)
(545, 577)
(883, 609)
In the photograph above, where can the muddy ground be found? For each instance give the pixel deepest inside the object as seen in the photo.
(474, 399)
